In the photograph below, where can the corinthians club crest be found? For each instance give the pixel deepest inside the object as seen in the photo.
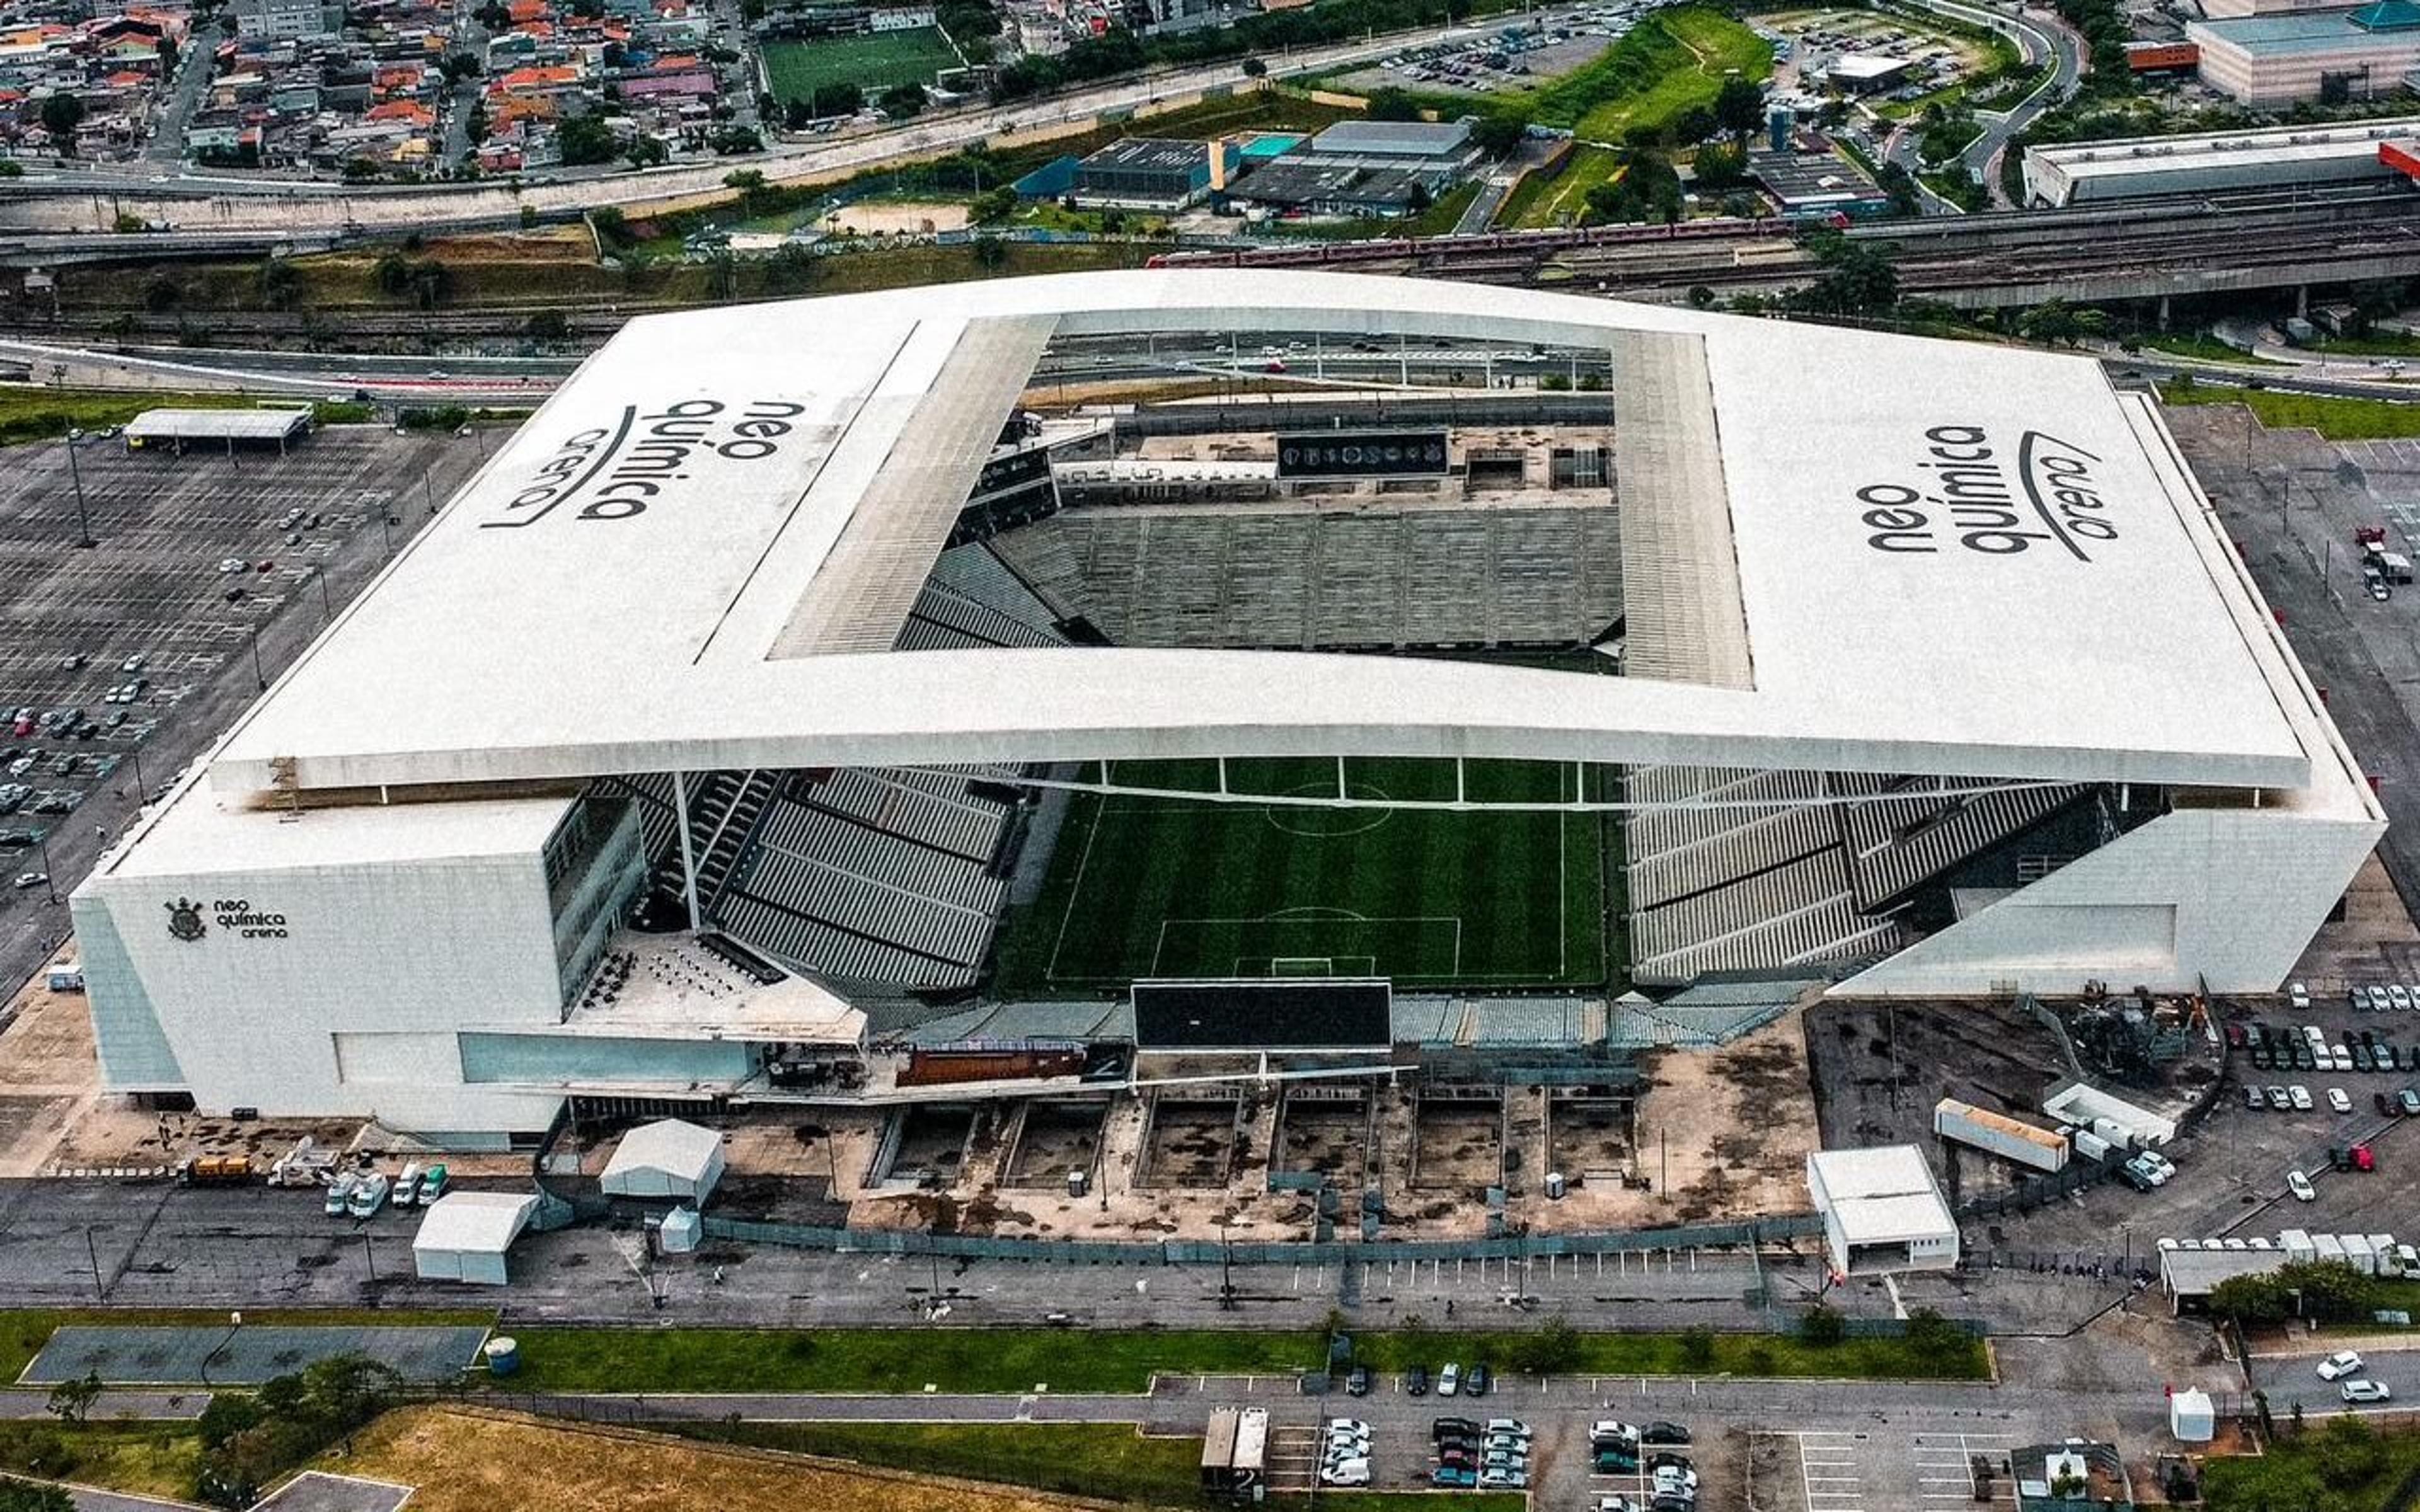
(185, 921)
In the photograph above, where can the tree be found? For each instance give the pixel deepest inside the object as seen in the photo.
(393, 271)
(167, 57)
(2373, 299)
(1720, 167)
(613, 227)
(1697, 1346)
(1823, 1327)
(648, 152)
(902, 100)
(1255, 68)
(835, 100)
(1418, 199)
(1393, 105)
(34, 1496)
(70, 1400)
(280, 285)
(1856, 280)
(991, 252)
(1739, 107)
(1499, 131)
(1549, 1351)
(547, 325)
(732, 140)
(1700, 296)
(62, 113)
(993, 205)
(585, 139)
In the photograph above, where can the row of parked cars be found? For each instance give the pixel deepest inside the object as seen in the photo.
(1494, 1456)
(1653, 1453)
(2347, 1368)
(2307, 1049)
(1451, 1381)
(361, 1195)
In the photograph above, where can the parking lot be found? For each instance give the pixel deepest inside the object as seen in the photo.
(144, 625)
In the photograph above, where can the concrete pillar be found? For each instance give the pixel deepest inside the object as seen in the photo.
(2302, 300)
(2163, 312)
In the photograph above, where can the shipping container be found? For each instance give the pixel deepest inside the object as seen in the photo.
(2008, 1138)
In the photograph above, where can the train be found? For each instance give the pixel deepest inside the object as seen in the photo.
(1321, 254)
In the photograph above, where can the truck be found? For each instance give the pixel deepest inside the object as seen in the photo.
(2390, 1261)
(2298, 1247)
(2329, 1248)
(1999, 1134)
(214, 1170)
(2393, 566)
(2358, 1253)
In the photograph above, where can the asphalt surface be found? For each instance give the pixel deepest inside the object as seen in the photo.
(151, 588)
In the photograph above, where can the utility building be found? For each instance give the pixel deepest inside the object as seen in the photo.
(1882, 1211)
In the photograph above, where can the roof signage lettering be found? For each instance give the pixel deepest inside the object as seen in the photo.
(616, 469)
(1998, 500)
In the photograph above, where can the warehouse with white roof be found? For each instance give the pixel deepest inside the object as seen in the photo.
(1956, 685)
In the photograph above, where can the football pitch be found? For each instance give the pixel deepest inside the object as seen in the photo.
(1152, 887)
(874, 61)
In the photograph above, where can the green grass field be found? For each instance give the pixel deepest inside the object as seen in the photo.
(2339, 418)
(1147, 886)
(1669, 62)
(873, 63)
(1559, 201)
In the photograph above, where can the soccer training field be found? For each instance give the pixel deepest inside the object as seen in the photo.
(1175, 887)
(873, 62)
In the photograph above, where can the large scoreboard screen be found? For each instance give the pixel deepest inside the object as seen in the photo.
(1382, 453)
(1265, 1013)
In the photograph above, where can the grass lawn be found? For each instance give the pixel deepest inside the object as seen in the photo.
(1671, 1354)
(2202, 345)
(1015, 1360)
(881, 1360)
(2339, 419)
(874, 61)
(2341, 1464)
(145, 1458)
(1677, 61)
(1169, 886)
(2377, 344)
(1097, 1459)
(1542, 202)
(32, 413)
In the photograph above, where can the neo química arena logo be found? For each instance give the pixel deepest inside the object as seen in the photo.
(1997, 500)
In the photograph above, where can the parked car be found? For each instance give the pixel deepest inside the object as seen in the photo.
(1480, 1380)
(340, 1195)
(369, 1195)
(1445, 1426)
(1416, 1381)
(2301, 1096)
(1453, 1477)
(1348, 1472)
(2337, 1101)
(2300, 1185)
(2358, 1392)
(2409, 1100)
(1357, 1383)
(2298, 995)
(1448, 1380)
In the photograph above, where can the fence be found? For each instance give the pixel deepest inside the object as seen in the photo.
(1213, 1252)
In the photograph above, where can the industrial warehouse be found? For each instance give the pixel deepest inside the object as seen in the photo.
(797, 686)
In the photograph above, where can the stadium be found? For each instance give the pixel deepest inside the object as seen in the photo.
(1023, 682)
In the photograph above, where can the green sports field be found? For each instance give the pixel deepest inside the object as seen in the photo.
(874, 62)
(1151, 887)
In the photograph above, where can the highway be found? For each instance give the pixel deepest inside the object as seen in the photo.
(2040, 36)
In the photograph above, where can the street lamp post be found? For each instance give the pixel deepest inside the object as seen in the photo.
(50, 886)
(260, 678)
(83, 518)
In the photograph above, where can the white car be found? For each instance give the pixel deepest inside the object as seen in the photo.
(1613, 1427)
(2161, 1167)
(2298, 995)
(2300, 1096)
(1448, 1381)
(2340, 1058)
(2398, 995)
(2340, 1365)
(1347, 1473)
(1508, 1425)
(227, 564)
(1671, 1480)
(1504, 1480)
(2337, 1101)
(1616, 1504)
(2358, 1392)
(2300, 1185)
(1348, 1425)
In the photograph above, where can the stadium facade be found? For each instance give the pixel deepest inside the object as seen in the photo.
(704, 736)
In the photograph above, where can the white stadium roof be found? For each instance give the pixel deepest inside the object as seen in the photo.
(1901, 556)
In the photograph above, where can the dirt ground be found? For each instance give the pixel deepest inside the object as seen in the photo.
(1723, 1133)
(870, 219)
(1461, 1146)
(1055, 1139)
(1191, 1144)
(1325, 1135)
(465, 1460)
(1589, 1138)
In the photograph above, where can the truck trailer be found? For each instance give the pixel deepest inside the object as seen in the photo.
(2009, 1138)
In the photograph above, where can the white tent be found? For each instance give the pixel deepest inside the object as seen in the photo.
(665, 1159)
(465, 1235)
(2191, 1416)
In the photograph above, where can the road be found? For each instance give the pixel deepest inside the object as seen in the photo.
(2041, 37)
